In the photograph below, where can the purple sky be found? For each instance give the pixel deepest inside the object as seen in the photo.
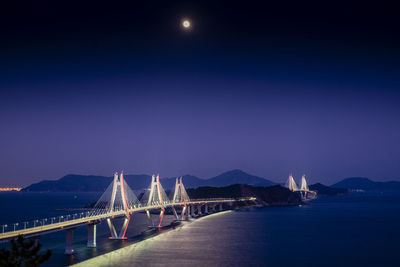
(144, 126)
(89, 97)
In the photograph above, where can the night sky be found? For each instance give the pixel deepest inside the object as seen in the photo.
(270, 88)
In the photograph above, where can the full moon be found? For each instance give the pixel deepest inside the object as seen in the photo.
(186, 24)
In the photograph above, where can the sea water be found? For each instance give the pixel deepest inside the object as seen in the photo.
(360, 229)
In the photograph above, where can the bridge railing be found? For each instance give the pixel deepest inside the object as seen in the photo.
(39, 223)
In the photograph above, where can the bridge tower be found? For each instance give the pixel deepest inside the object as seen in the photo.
(181, 196)
(156, 196)
(304, 187)
(119, 187)
(117, 201)
(291, 184)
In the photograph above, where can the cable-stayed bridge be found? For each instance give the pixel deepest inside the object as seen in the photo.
(304, 191)
(119, 202)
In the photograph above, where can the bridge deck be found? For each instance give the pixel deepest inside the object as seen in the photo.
(57, 226)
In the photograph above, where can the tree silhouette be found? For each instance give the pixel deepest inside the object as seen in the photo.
(23, 253)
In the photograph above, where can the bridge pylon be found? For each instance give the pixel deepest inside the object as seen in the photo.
(181, 196)
(291, 184)
(303, 185)
(119, 188)
(117, 198)
(156, 196)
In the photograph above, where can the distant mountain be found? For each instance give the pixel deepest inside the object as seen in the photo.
(238, 177)
(72, 183)
(323, 190)
(224, 179)
(91, 183)
(85, 183)
(357, 183)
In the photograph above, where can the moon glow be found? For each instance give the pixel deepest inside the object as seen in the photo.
(186, 24)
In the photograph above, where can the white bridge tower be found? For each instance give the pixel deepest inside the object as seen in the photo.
(303, 185)
(155, 196)
(117, 197)
(291, 184)
(181, 196)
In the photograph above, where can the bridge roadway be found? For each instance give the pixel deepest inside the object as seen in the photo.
(93, 219)
(306, 193)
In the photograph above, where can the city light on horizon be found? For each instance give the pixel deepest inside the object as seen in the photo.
(7, 189)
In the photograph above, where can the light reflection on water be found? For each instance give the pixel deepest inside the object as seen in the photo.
(356, 230)
(180, 239)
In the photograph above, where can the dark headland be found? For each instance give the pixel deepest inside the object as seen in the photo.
(267, 196)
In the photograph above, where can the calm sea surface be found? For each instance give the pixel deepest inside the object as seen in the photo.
(355, 230)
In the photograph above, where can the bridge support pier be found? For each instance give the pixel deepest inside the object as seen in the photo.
(175, 213)
(199, 210)
(187, 212)
(124, 227)
(69, 241)
(91, 243)
(192, 211)
(161, 216)
(206, 209)
(184, 213)
(112, 228)
(213, 208)
(151, 223)
(220, 207)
